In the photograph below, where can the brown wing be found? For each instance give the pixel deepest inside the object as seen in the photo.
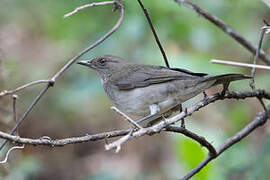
(142, 76)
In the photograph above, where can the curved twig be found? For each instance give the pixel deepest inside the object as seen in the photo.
(51, 82)
(9, 151)
(195, 137)
(115, 27)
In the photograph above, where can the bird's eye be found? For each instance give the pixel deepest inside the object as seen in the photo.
(102, 60)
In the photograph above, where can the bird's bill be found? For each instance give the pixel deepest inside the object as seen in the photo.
(84, 62)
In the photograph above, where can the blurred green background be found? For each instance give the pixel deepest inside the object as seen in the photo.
(35, 42)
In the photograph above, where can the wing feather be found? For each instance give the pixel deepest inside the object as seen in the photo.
(145, 75)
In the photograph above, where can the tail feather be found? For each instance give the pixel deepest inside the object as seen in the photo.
(226, 78)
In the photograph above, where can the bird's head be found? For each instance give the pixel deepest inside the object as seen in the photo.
(105, 65)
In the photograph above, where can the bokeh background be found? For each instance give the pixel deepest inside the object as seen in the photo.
(35, 42)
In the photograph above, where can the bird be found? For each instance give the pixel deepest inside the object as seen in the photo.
(149, 91)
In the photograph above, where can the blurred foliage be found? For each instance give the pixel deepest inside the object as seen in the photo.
(35, 41)
(192, 153)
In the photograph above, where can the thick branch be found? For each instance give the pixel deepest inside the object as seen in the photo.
(225, 28)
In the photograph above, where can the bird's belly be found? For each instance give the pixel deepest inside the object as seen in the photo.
(137, 101)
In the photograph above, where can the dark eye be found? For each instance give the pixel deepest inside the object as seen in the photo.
(102, 60)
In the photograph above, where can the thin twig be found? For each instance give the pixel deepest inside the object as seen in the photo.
(7, 155)
(87, 6)
(225, 28)
(195, 137)
(118, 143)
(70, 62)
(155, 34)
(28, 110)
(5, 92)
(252, 83)
(198, 168)
(14, 97)
(126, 117)
(233, 63)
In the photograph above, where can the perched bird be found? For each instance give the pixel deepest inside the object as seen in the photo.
(150, 91)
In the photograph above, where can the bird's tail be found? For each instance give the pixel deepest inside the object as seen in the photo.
(226, 78)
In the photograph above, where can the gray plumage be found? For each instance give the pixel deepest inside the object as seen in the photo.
(134, 87)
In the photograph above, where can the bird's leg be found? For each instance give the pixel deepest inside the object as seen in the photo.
(183, 125)
(165, 115)
(183, 119)
(225, 88)
(205, 96)
(154, 109)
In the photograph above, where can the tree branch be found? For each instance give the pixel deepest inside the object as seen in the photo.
(225, 28)
(51, 82)
(258, 121)
(144, 131)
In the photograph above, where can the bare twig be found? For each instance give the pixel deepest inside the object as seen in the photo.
(195, 137)
(70, 62)
(252, 83)
(126, 117)
(13, 148)
(14, 97)
(118, 143)
(225, 28)
(155, 34)
(87, 6)
(65, 141)
(5, 92)
(18, 123)
(233, 63)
